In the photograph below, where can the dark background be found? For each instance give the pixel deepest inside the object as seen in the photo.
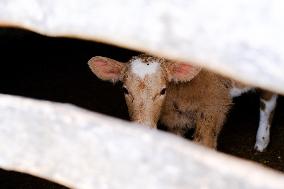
(56, 69)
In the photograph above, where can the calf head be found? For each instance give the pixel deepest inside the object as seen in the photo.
(145, 80)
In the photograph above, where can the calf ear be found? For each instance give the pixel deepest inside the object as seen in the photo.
(106, 68)
(181, 71)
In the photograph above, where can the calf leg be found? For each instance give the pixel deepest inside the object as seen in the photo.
(267, 106)
(208, 127)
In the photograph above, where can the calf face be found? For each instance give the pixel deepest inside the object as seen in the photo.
(145, 79)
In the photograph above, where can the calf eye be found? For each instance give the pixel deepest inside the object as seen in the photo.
(163, 91)
(125, 91)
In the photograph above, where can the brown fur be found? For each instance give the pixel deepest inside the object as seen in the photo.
(265, 95)
(206, 99)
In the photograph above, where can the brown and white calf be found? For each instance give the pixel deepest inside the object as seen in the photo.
(181, 96)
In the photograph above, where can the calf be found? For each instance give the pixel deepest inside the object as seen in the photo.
(181, 96)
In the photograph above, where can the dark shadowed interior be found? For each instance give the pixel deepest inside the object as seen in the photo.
(56, 69)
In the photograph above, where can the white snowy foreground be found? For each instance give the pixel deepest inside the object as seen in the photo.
(85, 150)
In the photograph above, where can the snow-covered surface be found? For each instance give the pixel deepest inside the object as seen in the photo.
(85, 150)
(239, 38)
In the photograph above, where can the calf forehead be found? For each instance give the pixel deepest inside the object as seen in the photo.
(148, 83)
(145, 67)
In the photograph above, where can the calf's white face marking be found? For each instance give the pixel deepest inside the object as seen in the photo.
(142, 69)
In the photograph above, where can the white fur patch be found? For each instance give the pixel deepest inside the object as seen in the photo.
(235, 92)
(142, 69)
(263, 132)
